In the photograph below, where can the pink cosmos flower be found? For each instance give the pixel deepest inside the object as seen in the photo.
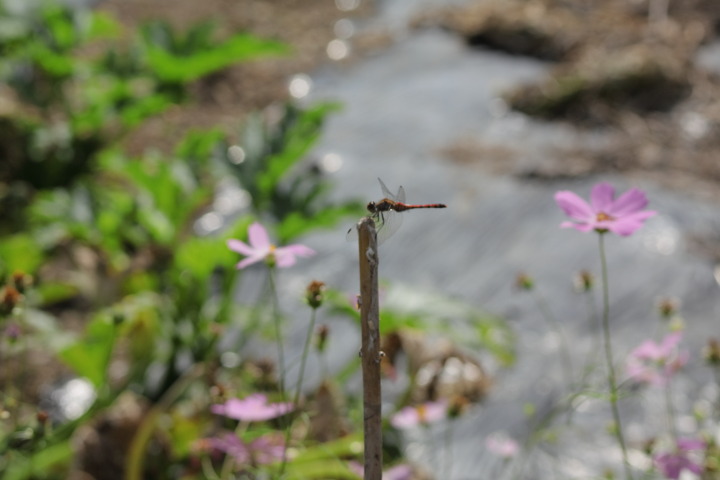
(423, 414)
(623, 215)
(261, 451)
(260, 248)
(655, 363)
(253, 408)
(502, 445)
(671, 464)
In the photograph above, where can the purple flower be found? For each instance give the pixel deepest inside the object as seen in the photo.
(604, 213)
(671, 464)
(502, 445)
(655, 363)
(253, 408)
(12, 331)
(423, 414)
(261, 451)
(260, 248)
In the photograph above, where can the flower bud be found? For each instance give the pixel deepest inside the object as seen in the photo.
(458, 405)
(314, 293)
(712, 352)
(21, 281)
(584, 281)
(9, 298)
(524, 282)
(667, 307)
(42, 416)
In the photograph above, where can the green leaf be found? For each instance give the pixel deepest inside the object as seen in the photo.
(103, 25)
(20, 252)
(89, 356)
(175, 68)
(302, 135)
(350, 445)
(325, 460)
(335, 469)
(135, 113)
(38, 464)
(157, 224)
(202, 255)
(52, 293)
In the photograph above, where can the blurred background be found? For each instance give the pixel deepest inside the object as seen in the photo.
(138, 135)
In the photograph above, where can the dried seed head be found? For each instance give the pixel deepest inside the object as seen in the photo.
(314, 293)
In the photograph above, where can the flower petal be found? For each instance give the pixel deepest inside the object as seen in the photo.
(574, 206)
(629, 202)
(628, 224)
(691, 444)
(285, 256)
(583, 227)
(258, 236)
(601, 197)
(249, 261)
(648, 350)
(240, 247)
(670, 341)
(299, 250)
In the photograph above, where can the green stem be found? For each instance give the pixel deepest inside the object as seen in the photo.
(303, 360)
(278, 333)
(670, 411)
(137, 450)
(612, 382)
(591, 361)
(298, 389)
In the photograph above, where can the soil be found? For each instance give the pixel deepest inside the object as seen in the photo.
(224, 99)
(617, 68)
(640, 84)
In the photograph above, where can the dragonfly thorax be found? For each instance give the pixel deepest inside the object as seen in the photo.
(382, 206)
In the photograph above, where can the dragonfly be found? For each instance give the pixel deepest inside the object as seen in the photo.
(385, 213)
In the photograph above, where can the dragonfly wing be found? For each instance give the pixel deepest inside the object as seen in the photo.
(352, 234)
(397, 197)
(400, 197)
(386, 192)
(388, 223)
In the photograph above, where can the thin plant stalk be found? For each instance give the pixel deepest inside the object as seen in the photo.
(670, 411)
(592, 320)
(134, 465)
(611, 378)
(298, 389)
(303, 359)
(278, 333)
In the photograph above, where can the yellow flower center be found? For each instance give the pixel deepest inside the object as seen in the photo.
(604, 217)
(422, 413)
(270, 258)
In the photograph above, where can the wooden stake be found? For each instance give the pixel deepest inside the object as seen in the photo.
(370, 349)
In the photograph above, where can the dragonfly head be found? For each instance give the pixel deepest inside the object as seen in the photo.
(372, 207)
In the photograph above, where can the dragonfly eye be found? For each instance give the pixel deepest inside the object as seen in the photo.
(371, 206)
